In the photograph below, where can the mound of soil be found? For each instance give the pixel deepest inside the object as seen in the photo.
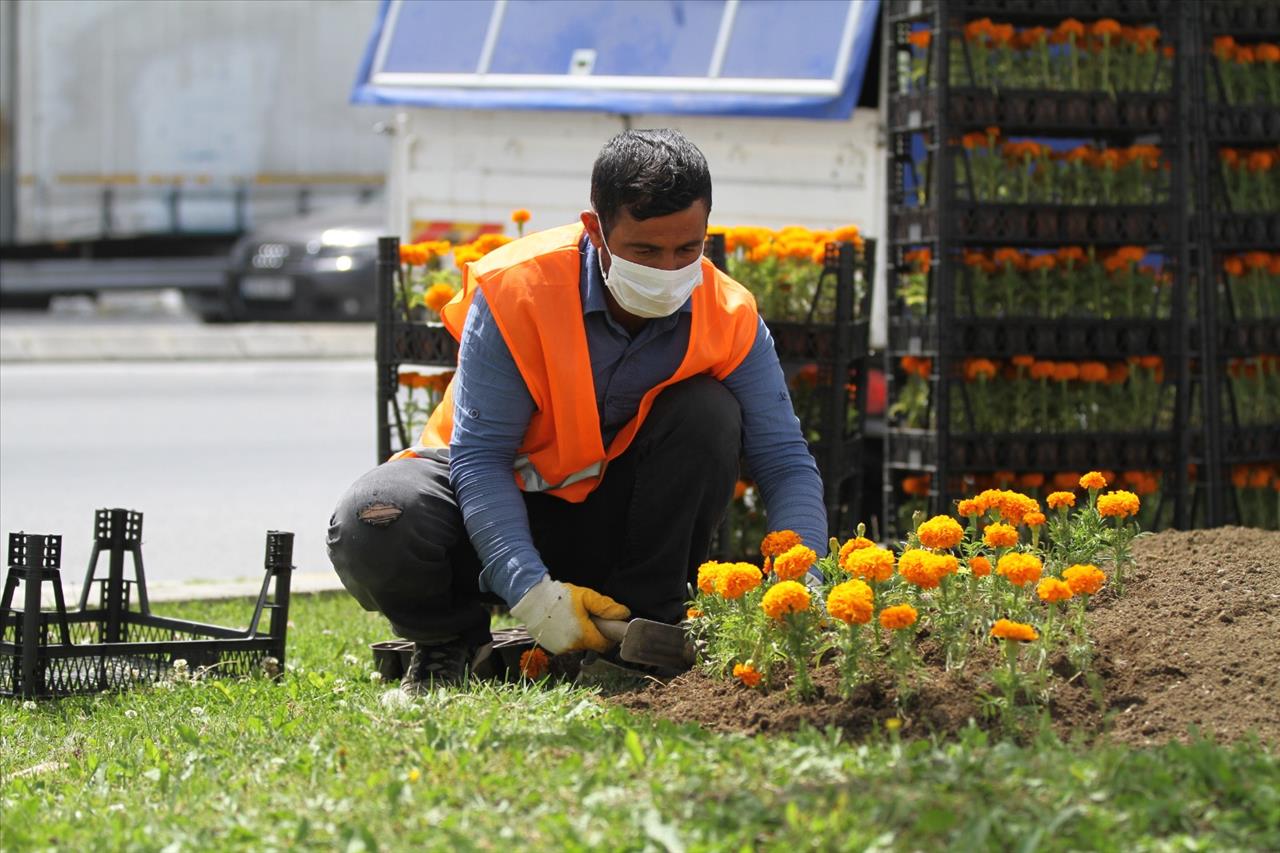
(1194, 641)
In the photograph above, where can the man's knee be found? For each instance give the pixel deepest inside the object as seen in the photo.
(399, 511)
(701, 411)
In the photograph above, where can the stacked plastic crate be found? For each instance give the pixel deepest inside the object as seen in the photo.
(1237, 86)
(1039, 261)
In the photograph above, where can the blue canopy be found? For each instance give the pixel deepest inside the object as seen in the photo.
(796, 58)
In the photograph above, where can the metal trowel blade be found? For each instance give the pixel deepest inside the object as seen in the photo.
(657, 644)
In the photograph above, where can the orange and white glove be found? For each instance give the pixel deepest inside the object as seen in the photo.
(558, 616)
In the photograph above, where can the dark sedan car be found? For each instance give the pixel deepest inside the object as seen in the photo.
(314, 267)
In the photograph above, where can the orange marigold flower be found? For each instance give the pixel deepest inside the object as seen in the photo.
(437, 296)
(940, 532)
(1066, 371)
(917, 567)
(1093, 371)
(969, 507)
(1031, 480)
(851, 602)
(1257, 260)
(534, 663)
(979, 567)
(693, 613)
(1043, 370)
(999, 535)
(1233, 265)
(1260, 161)
(918, 486)
(872, 564)
(979, 368)
(1033, 519)
(1020, 568)
(1118, 504)
(1084, 579)
(1268, 53)
(794, 562)
(778, 542)
(707, 574)
(747, 674)
(737, 580)
(898, 616)
(857, 543)
(520, 216)
(1051, 590)
(1008, 257)
(785, 597)
(1005, 629)
(1014, 506)
(1093, 480)
(1060, 499)
(920, 39)
(1069, 30)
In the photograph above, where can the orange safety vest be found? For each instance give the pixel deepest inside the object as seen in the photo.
(531, 286)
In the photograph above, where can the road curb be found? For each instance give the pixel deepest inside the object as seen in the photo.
(257, 341)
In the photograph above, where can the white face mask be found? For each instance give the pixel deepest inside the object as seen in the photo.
(645, 291)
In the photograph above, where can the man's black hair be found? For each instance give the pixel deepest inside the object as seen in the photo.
(649, 173)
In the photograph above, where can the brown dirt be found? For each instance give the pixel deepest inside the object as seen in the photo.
(1194, 641)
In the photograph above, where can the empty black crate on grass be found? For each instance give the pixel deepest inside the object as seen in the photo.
(54, 653)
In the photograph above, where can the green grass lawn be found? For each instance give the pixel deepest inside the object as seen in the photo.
(318, 761)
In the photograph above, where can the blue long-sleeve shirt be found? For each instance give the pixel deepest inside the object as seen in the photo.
(493, 406)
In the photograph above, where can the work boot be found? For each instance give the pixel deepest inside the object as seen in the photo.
(443, 665)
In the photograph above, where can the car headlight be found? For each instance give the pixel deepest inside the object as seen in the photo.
(342, 237)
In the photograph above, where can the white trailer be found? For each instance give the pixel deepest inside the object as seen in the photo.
(459, 157)
(136, 116)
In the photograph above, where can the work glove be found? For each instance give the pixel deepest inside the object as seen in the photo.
(558, 616)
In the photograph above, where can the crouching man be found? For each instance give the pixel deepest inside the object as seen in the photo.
(609, 378)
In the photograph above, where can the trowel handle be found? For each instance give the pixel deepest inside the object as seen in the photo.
(613, 629)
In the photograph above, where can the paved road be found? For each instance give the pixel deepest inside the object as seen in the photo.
(213, 453)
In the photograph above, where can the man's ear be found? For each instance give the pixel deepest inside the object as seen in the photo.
(591, 222)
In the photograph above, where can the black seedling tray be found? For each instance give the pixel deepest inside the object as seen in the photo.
(55, 653)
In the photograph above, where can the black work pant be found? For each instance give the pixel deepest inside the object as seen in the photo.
(398, 543)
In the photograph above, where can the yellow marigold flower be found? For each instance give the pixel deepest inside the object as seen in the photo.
(940, 532)
(778, 542)
(747, 674)
(737, 579)
(855, 544)
(969, 507)
(1033, 519)
(1015, 506)
(1093, 480)
(534, 663)
(1118, 504)
(871, 564)
(437, 296)
(1084, 579)
(707, 574)
(1052, 589)
(1019, 568)
(944, 564)
(794, 562)
(1005, 629)
(979, 567)
(785, 597)
(897, 617)
(520, 216)
(851, 602)
(917, 568)
(999, 535)
(693, 613)
(1060, 499)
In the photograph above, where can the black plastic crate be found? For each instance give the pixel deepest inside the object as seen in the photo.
(1242, 125)
(54, 653)
(1244, 231)
(1040, 12)
(1248, 337)
(917, 450)
(1258, 444)
(1259, 20)
(1025, 111)
(1006, 337)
